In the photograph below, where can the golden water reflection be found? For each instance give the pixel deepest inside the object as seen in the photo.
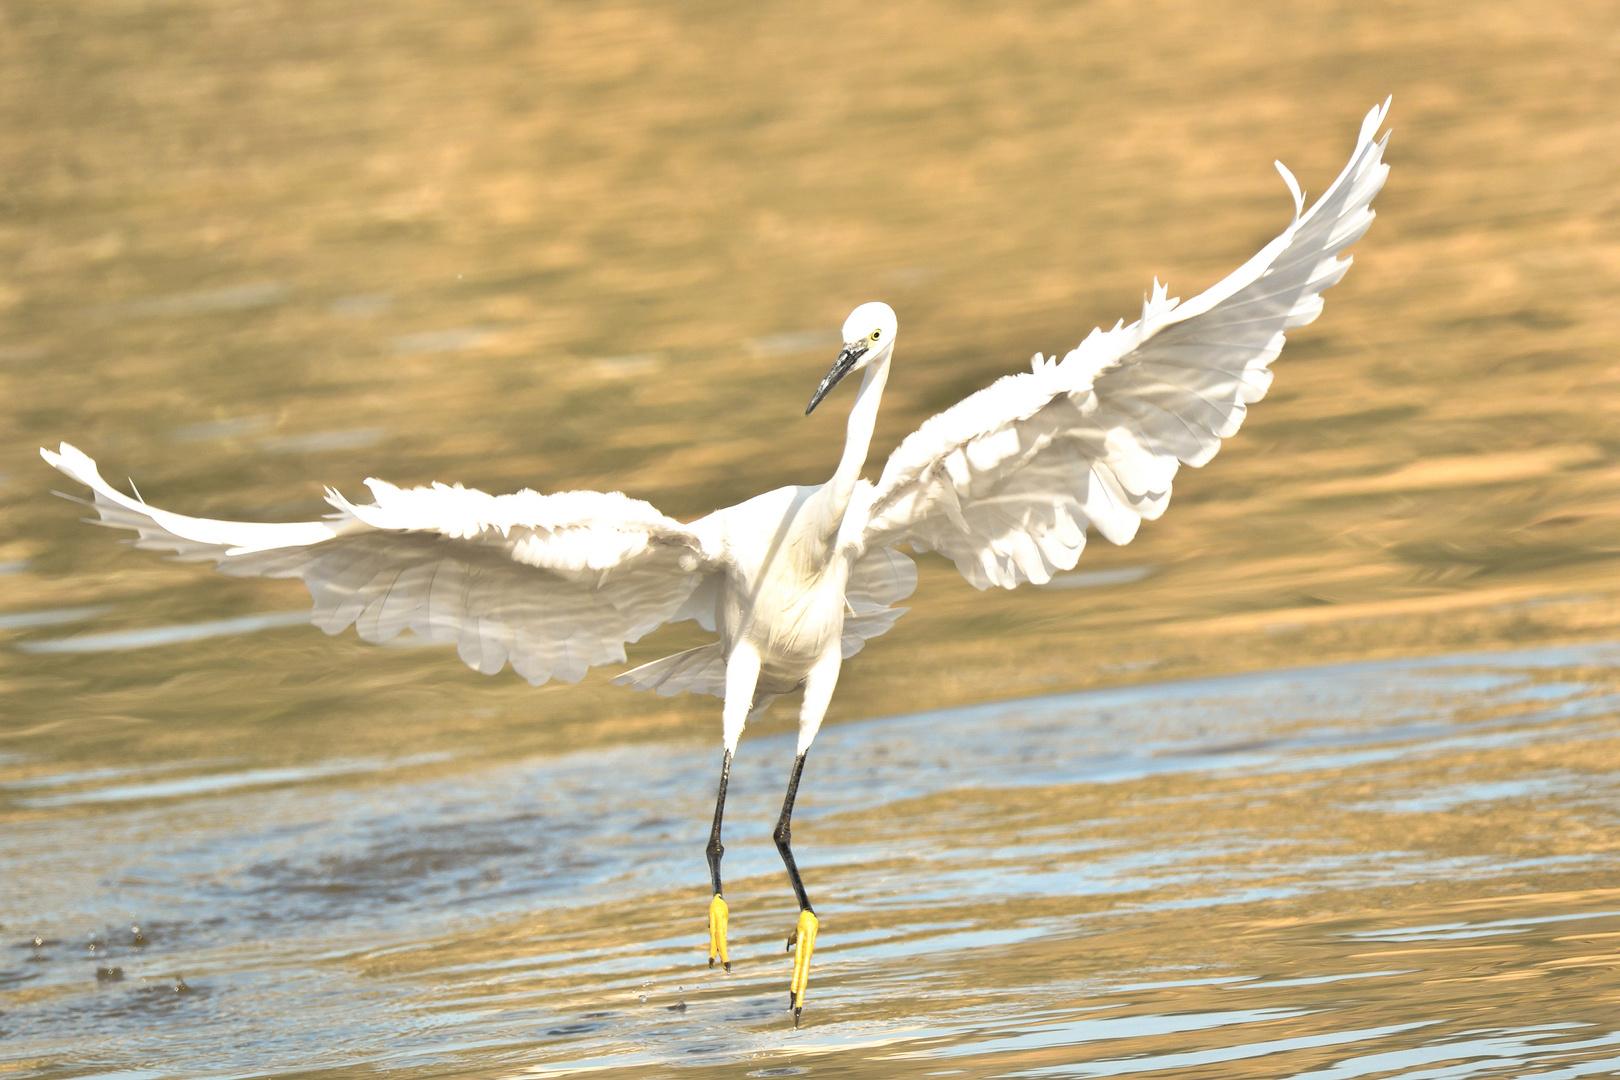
(248, 249)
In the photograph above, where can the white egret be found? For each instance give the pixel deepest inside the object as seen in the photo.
(797, 580)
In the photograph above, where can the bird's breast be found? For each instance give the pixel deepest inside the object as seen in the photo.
(793, 616)
(785, 593)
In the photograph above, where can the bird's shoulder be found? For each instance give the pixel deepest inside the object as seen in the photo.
(758, 518)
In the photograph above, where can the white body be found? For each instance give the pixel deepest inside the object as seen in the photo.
(782, 606)
(1005, 484)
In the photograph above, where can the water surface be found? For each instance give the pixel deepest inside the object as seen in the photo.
(250, 248)
(1378, 869)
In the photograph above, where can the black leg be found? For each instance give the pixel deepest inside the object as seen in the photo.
(716, 849)
(718, 914)
(803, 938)
(784, 834)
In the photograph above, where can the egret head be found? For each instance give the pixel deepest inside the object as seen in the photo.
(868, 334)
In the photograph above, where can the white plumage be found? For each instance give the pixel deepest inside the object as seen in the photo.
(1005, 484)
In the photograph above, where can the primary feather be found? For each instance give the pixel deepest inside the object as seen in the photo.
(1006, 482)
(553, 584)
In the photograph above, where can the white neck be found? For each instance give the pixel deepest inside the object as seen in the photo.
(835, 494)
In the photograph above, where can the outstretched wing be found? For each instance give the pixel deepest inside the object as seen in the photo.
(555, 584)
(1005, 482)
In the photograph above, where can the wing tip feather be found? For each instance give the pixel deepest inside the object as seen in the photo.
(1293, 188)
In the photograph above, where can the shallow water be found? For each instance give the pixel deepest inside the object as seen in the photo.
(252, 247)
(1377, 869)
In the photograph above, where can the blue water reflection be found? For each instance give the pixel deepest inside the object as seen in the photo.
(1043, 887)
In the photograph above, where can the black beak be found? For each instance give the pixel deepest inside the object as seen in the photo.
(848, 357)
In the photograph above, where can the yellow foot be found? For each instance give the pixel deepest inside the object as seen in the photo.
(804, 937)
(717, 933)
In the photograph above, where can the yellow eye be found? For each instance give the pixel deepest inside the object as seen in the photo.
(876, 334)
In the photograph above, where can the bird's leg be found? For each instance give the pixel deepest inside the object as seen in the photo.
(803, 937)
(717, 906)
(818, 688)
(742, 672)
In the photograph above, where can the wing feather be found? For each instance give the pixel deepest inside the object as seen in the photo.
(698, 671)
(552, 584)
(1006, 482)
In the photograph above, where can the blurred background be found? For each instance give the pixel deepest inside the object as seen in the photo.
(251, 247)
